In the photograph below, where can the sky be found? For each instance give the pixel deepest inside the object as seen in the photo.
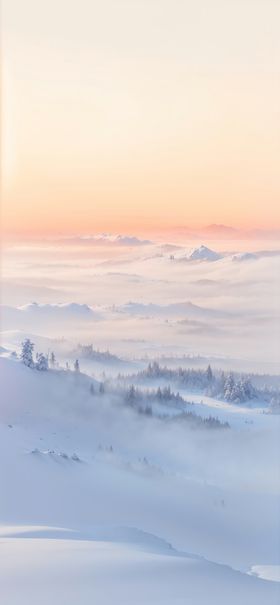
(125, 115)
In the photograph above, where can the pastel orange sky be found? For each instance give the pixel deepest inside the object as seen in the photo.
(122, 115)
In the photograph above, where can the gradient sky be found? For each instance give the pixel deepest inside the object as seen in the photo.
(123, 115)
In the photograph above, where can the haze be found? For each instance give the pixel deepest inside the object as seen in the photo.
(129, 115)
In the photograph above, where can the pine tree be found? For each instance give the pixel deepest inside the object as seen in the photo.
(166, 393)
(27, 353)
(77, 366)
(42, 363)
(159, 393)
(209, 374)
(222, 382)
(230, 388)
(245, 390)
(53, 360)
(131, 395)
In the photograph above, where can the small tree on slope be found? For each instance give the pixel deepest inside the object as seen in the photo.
(53, 360)
(42, 363)
(209, 374)
(27, 353)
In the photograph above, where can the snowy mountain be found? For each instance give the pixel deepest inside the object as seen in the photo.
(244, 256)
(58, 310)
(202, 253)
(224, 232)
(29, 315)
(113, 239)
(220, 231)
(181, 309)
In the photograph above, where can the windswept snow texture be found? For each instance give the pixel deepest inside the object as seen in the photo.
(130, 470)
(70, 571)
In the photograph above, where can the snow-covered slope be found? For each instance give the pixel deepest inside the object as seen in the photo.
(81, 461)
(108, 572)
(202, 253)
(104, 485)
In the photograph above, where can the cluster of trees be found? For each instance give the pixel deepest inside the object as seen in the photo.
(101, 388)
(41, 362)
(142, 403)
(270, 394)
(165, 394)
(185, 377)
(224, 386)
(140, 400)
(228, 386)
(275, 404)
(198, 422)
(88, 352)
(236, 390)
(135, 399)
(134, 396)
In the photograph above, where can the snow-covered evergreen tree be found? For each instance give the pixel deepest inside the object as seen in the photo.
(131, 395)
(166, 394)
(27, 353)
(209, 374)
(159, 393)
(229, 388)
(248, 391)
(53, 360)
(238, 391)
(42, 363)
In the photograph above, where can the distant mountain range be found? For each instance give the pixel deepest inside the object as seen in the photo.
(216, 231)
(106, 239)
